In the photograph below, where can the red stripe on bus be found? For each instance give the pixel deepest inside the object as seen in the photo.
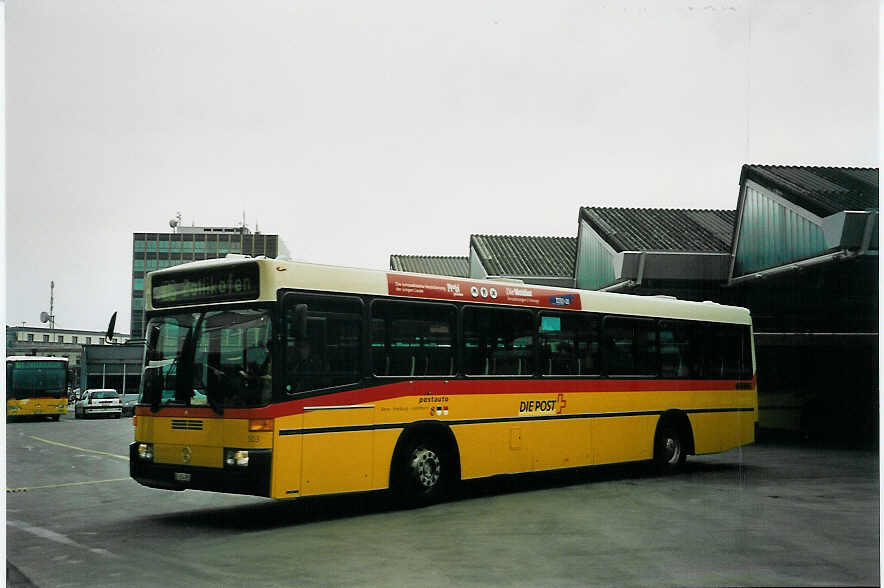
(418, 388)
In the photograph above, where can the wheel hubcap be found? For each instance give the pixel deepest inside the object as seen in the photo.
(426, 467)
(672, 450)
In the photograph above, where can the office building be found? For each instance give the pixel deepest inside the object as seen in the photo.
(153, 251)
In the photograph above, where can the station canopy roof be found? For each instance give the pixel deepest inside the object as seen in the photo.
(821, 190)
(510, 255)
(662, 229)
(429, 264)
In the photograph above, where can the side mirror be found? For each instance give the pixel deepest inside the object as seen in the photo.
(301, 320)
(110, 328)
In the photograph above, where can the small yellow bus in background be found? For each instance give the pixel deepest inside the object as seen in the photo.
(285, 379)
(36, 386)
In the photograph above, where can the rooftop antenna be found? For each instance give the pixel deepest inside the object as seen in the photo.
(50, 316)
(242, 232)
(175, 222)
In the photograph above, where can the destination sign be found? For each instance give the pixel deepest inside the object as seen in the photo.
(204, 286)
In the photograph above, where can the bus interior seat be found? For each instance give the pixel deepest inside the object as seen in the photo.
(401, 362)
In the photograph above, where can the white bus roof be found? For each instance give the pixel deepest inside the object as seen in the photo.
(276, 274)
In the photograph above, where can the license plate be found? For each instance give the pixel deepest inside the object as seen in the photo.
(182, 477)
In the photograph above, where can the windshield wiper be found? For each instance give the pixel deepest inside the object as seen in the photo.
(188, 350)
(184, 373)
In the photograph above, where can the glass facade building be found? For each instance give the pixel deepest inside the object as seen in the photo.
(153, 251)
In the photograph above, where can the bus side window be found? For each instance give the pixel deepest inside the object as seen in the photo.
(328, 351)
(412, 338)
(569, 344)
(498, 341)
(380, 359)
(630, 346)
(679, 350)
(727, 354)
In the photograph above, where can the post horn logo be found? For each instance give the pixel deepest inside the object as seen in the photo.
(186, 454)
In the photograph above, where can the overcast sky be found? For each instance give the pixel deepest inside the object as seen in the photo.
(359, 129)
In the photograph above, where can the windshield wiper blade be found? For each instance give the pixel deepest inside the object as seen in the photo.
(184, 371)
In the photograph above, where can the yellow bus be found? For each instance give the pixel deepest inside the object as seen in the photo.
(36, 386)
(285, 379)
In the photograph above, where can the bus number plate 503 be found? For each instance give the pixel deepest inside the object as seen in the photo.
(182, 477)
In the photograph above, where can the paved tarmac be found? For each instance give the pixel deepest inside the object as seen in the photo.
(767, 514)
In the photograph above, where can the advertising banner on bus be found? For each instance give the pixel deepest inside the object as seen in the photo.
(481, 291)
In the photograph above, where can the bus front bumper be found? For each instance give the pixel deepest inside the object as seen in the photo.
(253, 479)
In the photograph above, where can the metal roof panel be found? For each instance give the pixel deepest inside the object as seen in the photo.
(431, 264)
(516, 255)
(822, 191)
(662, 229)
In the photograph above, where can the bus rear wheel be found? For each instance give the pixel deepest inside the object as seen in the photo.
(423, 473)
(669, 449)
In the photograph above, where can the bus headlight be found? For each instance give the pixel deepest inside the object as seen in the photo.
(236, 457)
(145, 451)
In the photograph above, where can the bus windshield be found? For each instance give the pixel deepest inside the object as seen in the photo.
(220, 359)
(32, 379)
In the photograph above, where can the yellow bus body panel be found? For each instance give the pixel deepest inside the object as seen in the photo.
(336, 461)
(286, 465)
(36, 406)
(198, 441)
(348, 449)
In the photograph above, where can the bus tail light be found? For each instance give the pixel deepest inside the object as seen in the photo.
(261, 425)
(135, 421)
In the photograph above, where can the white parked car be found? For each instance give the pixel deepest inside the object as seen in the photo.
(98, 402)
